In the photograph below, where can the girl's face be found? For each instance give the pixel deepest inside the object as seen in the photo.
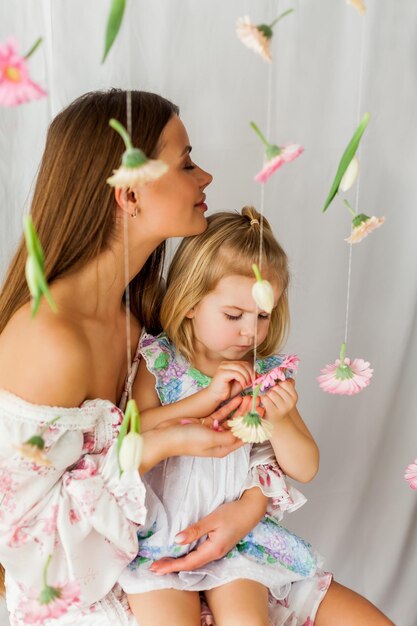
(174, 205)
(224, 320)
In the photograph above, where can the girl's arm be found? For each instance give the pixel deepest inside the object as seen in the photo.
(295, 449)
(229, 377)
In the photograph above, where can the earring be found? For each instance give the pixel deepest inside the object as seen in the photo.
(134, 214)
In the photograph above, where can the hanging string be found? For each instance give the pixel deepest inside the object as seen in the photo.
(358, 117)
(261, 223)
(126, 256)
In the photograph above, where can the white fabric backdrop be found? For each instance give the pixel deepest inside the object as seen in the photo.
(361, 514)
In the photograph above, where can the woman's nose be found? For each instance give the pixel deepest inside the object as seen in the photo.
(205, 178)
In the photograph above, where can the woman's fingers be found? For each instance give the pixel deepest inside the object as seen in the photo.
(204, 554)
(224, 411)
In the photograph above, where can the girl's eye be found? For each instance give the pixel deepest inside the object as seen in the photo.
(264, 316)
(233, 317)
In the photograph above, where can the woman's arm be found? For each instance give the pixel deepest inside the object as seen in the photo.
(224, 528)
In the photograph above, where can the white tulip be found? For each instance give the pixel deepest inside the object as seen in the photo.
(263, 294)
(350, 175)
(130, 453)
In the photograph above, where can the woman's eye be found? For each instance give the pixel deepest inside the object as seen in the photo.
(233, 317)
(189, 165)
(264, 316)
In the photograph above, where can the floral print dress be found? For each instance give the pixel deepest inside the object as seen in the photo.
(182, 490)
(76, 510)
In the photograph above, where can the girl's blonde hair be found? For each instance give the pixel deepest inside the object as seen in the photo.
(230, 245)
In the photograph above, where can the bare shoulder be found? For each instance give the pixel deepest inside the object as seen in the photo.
(46, 360)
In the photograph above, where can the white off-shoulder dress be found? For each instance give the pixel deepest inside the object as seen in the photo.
(76, 510)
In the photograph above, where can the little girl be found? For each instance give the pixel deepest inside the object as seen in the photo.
(204, 357)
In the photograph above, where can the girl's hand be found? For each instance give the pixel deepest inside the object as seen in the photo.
(280, 400)
(224, 528)
(231, 377)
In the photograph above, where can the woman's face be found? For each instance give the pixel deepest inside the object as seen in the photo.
(175, 203)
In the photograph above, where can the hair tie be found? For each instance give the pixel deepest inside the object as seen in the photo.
(254, 221)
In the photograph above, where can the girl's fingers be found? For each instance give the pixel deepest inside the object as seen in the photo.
(224, 411)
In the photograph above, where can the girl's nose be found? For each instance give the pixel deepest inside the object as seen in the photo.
(247, 331)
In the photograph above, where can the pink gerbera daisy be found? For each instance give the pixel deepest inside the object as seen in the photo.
(258, 37)
(51, 602)
(411, 474)
(278, 373)
(345, 377)
(15, 85)
(362, 226)
(275, 156)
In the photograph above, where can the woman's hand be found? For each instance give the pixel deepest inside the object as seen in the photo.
(192, 438)
(224, 528)
(230, 378)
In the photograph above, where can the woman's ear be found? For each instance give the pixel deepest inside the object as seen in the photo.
(126, 200)
(190, 313)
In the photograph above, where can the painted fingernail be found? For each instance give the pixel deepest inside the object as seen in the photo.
(185, 422)
(216, 425)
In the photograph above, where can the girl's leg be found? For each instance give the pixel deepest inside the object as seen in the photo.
(166, 606)
(343, 607)
(239, 603)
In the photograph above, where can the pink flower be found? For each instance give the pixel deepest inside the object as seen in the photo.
(278, 373)
(286, 154)
(363, 225)
(256, 38)
(15, 84)
(411, 474)
(345, 377)
(51, 603)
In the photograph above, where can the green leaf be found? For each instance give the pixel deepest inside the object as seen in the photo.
(113, 24)
(122, 434)
(348, 155)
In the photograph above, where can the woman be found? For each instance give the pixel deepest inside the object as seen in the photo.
(74, 519)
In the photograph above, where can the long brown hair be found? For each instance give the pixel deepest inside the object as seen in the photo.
(73, 209)
(230, 245)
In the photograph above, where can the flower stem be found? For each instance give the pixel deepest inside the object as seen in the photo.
(258, 132)
(119, 128)
(280, 17)
(349, 206)
(33, 48)
(45, 571)
(257, 273)
(254, 396)
(342, 353)
(48, 424)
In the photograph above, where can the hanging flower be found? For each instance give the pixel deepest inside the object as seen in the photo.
(15, 84)
(275, 156)
(258, 38)
(362, 226)
(33, 448)
(350, 175)
(136, 169)
(278, 373)
(130, 444)
(358, 4)
(345, 377)
(250, 426)
(262, 292)
(411, 474)
(51, 602)
(35, 268)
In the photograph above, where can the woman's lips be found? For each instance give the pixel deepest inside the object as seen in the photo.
(202, 204)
